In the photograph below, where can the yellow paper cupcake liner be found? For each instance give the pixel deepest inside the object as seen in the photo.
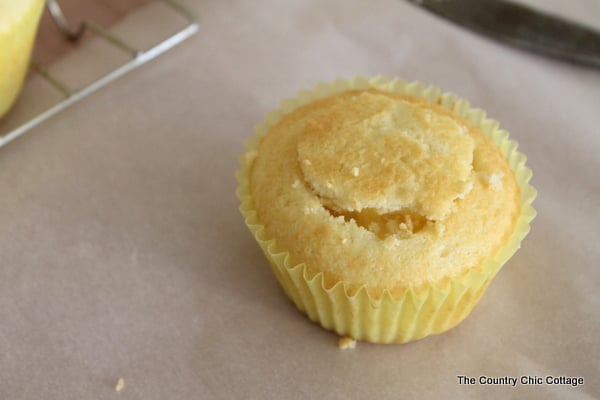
(418, 312)
(16, 43)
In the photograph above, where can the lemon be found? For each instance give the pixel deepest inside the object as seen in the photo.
(18, 25)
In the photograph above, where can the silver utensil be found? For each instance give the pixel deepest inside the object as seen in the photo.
(523, 27)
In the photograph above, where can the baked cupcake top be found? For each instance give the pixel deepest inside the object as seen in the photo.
(382, 190)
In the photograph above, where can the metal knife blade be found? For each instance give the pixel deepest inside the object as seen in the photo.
(522, 26)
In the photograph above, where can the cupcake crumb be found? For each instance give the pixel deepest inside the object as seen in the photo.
(346, 343)
(440, 228)
(495, 181)
(355, 171)
(374, 227)
(309, 210)
(120, 384)
(344, 240)
(467, 190)
(306, 162)
(296, 184)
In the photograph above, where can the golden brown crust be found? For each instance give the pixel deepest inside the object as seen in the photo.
(370, 150)
(382, 190)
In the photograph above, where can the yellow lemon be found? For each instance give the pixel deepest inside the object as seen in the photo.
(18, 25)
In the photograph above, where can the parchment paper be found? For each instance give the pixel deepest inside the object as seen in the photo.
(123, 254)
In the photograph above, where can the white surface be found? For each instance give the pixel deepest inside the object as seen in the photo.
(124, 255)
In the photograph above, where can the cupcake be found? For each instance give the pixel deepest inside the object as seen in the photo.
(384, 208)
(18, 26)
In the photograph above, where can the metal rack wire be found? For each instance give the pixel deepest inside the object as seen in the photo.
(136, 58)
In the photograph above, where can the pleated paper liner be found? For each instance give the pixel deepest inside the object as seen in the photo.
(415, 312)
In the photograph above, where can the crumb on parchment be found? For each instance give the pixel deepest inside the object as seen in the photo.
(346, 343)
(120, 384)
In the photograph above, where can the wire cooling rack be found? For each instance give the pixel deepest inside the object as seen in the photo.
(68, 95)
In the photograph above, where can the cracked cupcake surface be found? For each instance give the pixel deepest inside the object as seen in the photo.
(382, 190)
